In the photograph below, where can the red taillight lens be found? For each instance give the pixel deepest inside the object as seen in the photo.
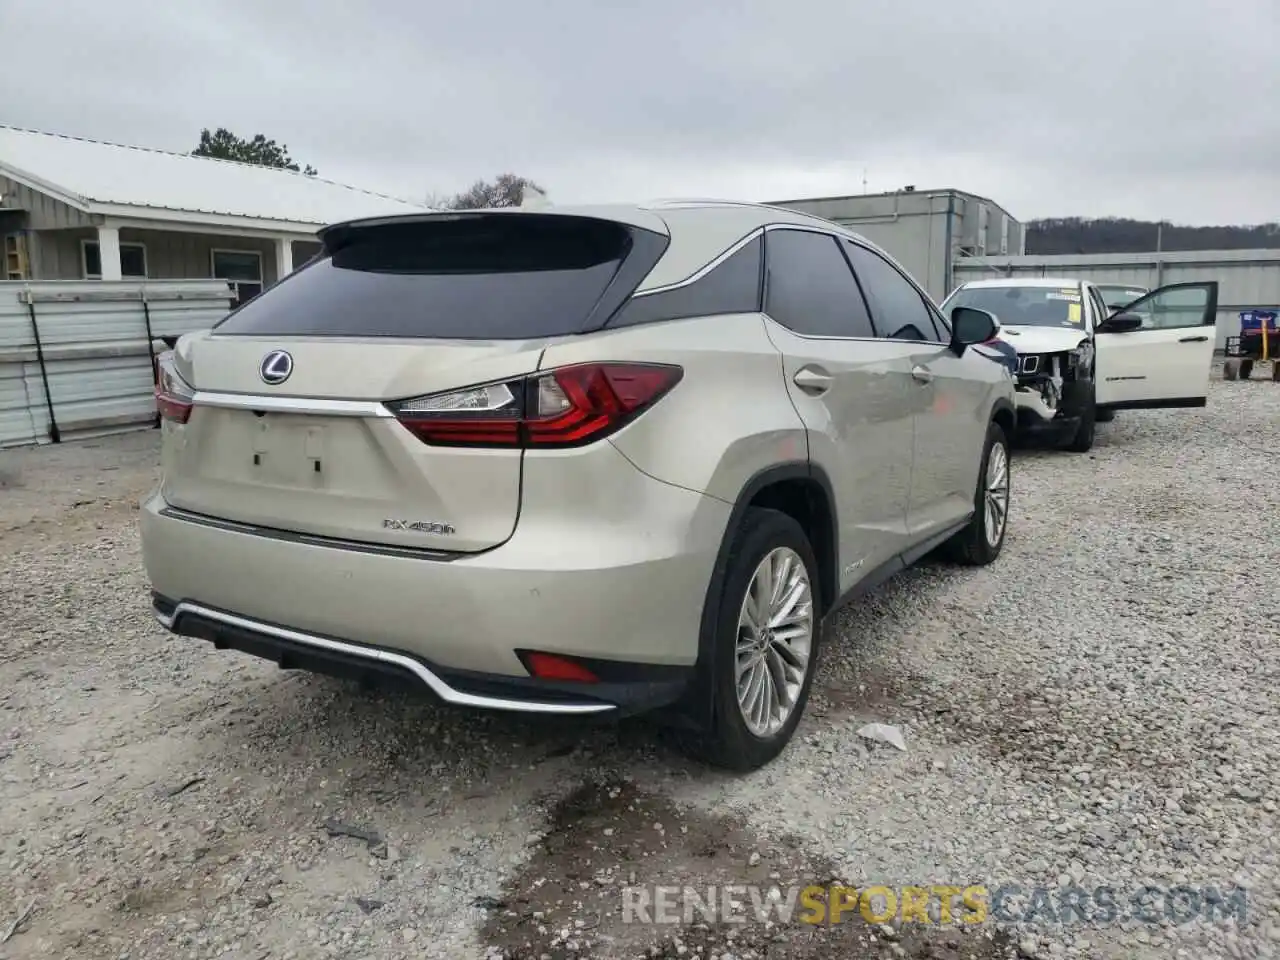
(566, 407)
(173, 394)
(548, 666)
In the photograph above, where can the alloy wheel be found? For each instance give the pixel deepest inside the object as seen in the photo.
(775, 641)
(997, 493)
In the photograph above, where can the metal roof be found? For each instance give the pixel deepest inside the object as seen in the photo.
(913, 192)
(123, 181)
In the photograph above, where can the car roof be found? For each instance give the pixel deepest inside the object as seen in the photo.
(700, 230)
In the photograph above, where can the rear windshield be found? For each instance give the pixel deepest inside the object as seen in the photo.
(474, 276)
(1031, 306)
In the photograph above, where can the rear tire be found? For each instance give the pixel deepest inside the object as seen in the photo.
(771, 634)
(975, 546)
(1231, 370)
(1104, 416)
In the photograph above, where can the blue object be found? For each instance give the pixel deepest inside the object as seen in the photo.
(1252, 320)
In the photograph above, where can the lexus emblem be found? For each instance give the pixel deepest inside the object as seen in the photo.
(276, 367)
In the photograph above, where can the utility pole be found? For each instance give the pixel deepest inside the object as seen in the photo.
(1159, 254)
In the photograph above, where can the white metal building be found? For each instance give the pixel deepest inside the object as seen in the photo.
(74, 209)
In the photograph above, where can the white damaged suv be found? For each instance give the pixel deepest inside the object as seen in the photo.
(1080, 360)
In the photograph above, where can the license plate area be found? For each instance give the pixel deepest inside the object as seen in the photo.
(288, 450)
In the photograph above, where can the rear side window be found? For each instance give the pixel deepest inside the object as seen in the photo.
(732, 286)
(897, 306)
(472, 277)
(809, 288)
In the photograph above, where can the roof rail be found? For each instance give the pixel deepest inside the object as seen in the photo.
(699, 201)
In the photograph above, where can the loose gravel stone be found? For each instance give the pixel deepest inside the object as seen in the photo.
(1097, 709)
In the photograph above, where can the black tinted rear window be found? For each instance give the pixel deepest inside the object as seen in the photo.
(495, 276)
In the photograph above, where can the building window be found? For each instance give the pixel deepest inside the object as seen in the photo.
(242, 269)
(133, 260)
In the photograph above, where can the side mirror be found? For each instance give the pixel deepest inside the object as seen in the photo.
(1120, 323)
(969, 326)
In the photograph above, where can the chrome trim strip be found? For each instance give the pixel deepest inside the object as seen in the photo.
(271, 404)
(815, 336)
(834, 231)
(376, 548)
(704, 269)
(437, 686)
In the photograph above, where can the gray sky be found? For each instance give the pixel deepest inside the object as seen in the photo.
(1100, 107)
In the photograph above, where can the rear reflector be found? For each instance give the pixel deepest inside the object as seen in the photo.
(566, 407)
(548, 666)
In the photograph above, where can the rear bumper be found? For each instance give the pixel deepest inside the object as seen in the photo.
(630, 688)
(618, 574)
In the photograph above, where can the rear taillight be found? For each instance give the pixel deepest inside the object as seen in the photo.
(565, 407)
(173, 394)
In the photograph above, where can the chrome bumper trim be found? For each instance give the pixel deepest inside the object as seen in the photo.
(437, 686)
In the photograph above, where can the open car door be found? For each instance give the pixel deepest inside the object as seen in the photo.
(1157, 350)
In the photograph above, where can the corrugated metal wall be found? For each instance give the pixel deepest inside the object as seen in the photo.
(1248, 279)
(93, 339)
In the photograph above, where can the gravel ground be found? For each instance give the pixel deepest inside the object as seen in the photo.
(1098, 708)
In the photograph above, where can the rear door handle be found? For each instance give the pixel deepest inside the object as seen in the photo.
(1199, 339)
(812, 380)
(922, 374)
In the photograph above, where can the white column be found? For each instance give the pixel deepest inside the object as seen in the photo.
(109, 251)
(284, 258)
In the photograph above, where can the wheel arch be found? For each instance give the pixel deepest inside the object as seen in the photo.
(1005, 415)
(802, 490)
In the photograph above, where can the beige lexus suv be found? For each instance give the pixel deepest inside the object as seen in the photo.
(585, 461)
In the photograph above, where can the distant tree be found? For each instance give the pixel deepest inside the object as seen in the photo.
(507, 190)
(222, 144)
(1078, 235)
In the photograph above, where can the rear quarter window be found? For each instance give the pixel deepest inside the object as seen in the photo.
(731, 286)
